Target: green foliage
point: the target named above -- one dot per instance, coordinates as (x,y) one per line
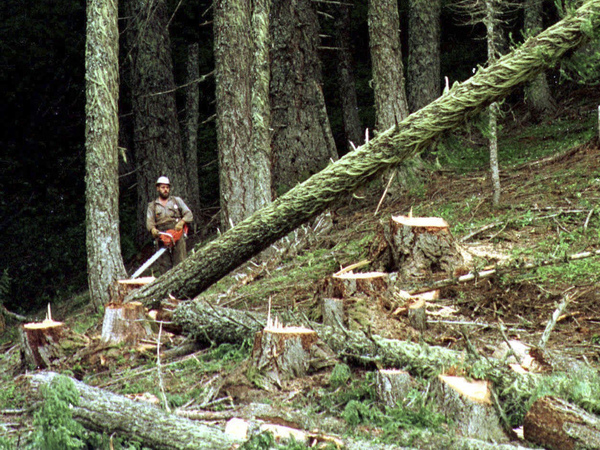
(581,387)
(56,428)
(340,375)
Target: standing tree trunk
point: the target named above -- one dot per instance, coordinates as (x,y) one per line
(423,71)
(347,87)
(103,243)
(192,107)
(302,141)
(242,107)
(386,57)
(537,93)
(494,33)
(220,256)
(157,139)
(261,105)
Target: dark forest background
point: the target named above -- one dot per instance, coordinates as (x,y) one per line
(42,215)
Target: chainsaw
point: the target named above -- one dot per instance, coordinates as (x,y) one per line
(168,238)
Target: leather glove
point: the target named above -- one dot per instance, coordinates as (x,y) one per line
(179,225)
(155,232)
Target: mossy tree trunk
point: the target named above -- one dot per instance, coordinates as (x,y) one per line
(302,141)
(157,138)
(391,106)
(346,81)
(103,244)
(217,258)
(192,112)
(423,70)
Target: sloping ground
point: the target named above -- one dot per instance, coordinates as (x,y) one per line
(549,210)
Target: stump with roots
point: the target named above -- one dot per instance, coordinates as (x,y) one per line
(417,247)
(469,405)
(125,322)
(282,353)
(40,343)
(392,386)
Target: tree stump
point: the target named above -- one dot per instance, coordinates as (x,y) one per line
(121,288)
(468,404)
(282,353)
(349,284)
(125,322)
(417,247)
(40,343)
(392,386)
(556,424)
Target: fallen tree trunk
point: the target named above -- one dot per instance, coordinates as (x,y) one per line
(389,149)
(103,411)
(212,325)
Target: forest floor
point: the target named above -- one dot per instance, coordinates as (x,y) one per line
(549,209)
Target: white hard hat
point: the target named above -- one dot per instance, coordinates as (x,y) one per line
(163,180)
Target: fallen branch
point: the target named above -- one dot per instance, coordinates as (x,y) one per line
(103,411)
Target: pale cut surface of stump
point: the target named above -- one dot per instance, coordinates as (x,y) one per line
(348,284)
(468,404)
(121,288)
(392,386)
(125,322)
(557,424)
(40,343)
(281,354)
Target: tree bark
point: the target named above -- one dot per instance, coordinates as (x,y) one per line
(347,88)
(423,70)
(192,112)
(109,413)
(157,137)
(217,258)
(391,106)
(556,424)
(537,92)
(302,142)
(103,243)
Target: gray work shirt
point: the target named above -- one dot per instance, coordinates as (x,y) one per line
(166,217)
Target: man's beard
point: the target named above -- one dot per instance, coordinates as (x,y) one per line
(163,195)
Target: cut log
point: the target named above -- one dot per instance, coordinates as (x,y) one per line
(125,322)
(40,343)
(417,247)
(392,386)
(121,288)
(387,150)
(282,353)
(108,413)
(557,424)
(417,314)
(468,404)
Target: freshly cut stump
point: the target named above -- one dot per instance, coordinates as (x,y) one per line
(469,405)
(418,247)
(121,288)
(392,386)
(349,284)
(125,322)
(553,423)
(40,343)
(282,353)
